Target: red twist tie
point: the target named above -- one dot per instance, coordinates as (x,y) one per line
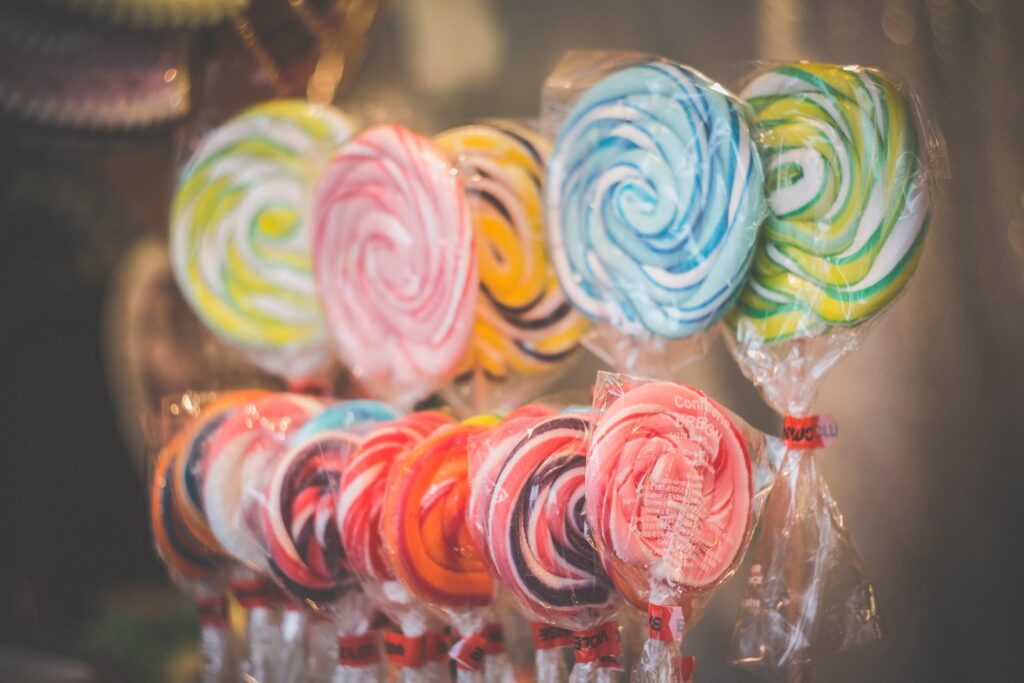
(436,645)
(405,651)
(809,433)
(469,652)
(253,593)
(495,639)
(213,611)
(357,650)
(665,623)
(598,643)
(548,637)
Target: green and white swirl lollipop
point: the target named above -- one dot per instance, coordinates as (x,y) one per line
(848,199)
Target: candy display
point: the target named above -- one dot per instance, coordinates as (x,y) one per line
(532,516)
(654,198)
(850,157)
(360,507)
(669,494)
(395,262)
(428,541)
(525,328)
(240,232)
(300,528)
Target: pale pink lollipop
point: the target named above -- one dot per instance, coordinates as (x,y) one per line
(669,495)
(394,262)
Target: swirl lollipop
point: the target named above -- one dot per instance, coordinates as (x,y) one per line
(360,506)
(187,468)
(536,531)
(524,324)
(848,200)
(427,539)
(395,263)
(304,546)
(240,234)
(191,565)
(654,197)
(669,493)
(234,476)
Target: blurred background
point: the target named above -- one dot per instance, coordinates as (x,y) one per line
(101,103)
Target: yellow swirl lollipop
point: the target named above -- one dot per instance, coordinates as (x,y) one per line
(524,324)
(240,233)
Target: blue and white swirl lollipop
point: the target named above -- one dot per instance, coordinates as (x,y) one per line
(654,197)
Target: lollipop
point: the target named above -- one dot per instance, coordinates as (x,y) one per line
(394,262)
(654,197)
(537,536)
(848,197)
(185,482)
(192,565)
(299,526)
(524,324)
(363,487)
(234,476)
(427,539)
(301,533)
(848,200)
(240,235)
(669,493)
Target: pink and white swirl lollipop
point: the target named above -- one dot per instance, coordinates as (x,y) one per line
(395,262)
(669,492)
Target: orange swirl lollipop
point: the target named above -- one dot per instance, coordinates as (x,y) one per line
(428,541)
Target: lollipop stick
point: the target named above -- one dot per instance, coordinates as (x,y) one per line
(216,645)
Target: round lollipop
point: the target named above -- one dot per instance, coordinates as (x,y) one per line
(537,535)
(427,539)
(187,467)
(301,534)
(234,476)
(525,328)
(395,263)
(654,197)
(241,235)
(669,493)
(192,565)
(848,199)
(363,487)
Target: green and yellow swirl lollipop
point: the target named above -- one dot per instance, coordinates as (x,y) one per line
(240,232)
(848,200)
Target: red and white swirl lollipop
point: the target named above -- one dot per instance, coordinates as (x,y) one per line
(359,519)
(395,262)
(669,493)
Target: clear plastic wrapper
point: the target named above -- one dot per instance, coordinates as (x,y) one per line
(232,464)
(674,483)
(395,263)
(526,511)
(195,558)
(413,649)
(193,568)
(850,159)
(654,197)
(525,332)
(300,534)
(241,234)
(431,549)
